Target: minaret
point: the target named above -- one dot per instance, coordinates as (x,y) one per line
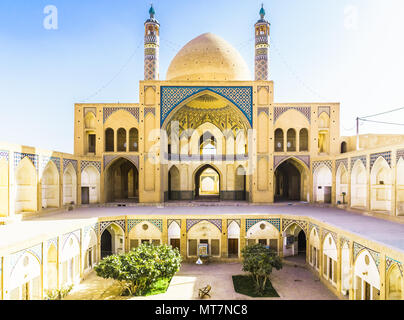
(262,47)
(151,47)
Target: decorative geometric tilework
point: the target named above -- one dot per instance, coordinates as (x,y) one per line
(312,225)
(385,155)
(306,111)
(108,111)
(264,110)
(4,155)
(343,240)
(105,224)
(215,222)
(390,262)
(361,158)
(343,161)
(149,110)
(327,163)
(19,156)
(171,97)
(325,232)
(66,236)
(156,222)
(286,223)
(358,248)
(229,221)
(170,221)
(35,250)
(279,159)
(400,154)
(45,160)
(323,109)
(276,222)
(66,162)
(85,164)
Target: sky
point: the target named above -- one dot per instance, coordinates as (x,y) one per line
(346,51)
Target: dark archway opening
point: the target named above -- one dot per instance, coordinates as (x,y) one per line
(301,243)
(287,182)
(208,190)
(106,244)
(122,182)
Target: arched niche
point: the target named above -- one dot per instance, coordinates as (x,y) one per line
(322,184)
(50,186)
(90,185)
(341,193)
(26,187)
(366,277)
(381,185)
(69,185)
(359,185)
(204,233)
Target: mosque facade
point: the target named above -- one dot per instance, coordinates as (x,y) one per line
(210,132)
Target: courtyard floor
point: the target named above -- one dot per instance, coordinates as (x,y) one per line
(291,283)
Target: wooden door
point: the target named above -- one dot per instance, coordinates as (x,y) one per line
(85,195)
(175,243)
(233,247)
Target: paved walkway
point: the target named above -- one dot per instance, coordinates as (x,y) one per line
(385,232)
(291,283)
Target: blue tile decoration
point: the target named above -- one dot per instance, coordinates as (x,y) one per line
(385,155)
(264,110)
(276,222)
(45,160)
(156,222)
(66,162)
(108,111)
(96,164)
(358,248)
(172,96)
(105,224)
(19,156)
(400,154)
(361,158)
(390,262)
(306,111)
(327,163)
(338,162)
(4,155)
(216,222)
(149,110)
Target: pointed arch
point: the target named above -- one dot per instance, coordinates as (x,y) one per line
(394,283)
(50,186)
(51,273)
(341,184)
(366,277)
(4,187)
(322,184)
(400,187)
(174,183)
(359,185)
(69,185)
(381,185)
(90,185)
(26,187)
(314,248)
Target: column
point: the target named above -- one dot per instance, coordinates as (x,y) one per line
(224,243)
(183,241)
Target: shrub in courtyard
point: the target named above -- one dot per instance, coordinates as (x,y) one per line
(58,294)
(259,261)
(139,269)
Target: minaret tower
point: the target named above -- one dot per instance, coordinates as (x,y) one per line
(262,47)
(151,47)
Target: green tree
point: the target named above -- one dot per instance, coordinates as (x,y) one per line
(138,269)
(259,261)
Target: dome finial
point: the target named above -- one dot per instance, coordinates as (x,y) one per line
(151,11)
(262,11)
